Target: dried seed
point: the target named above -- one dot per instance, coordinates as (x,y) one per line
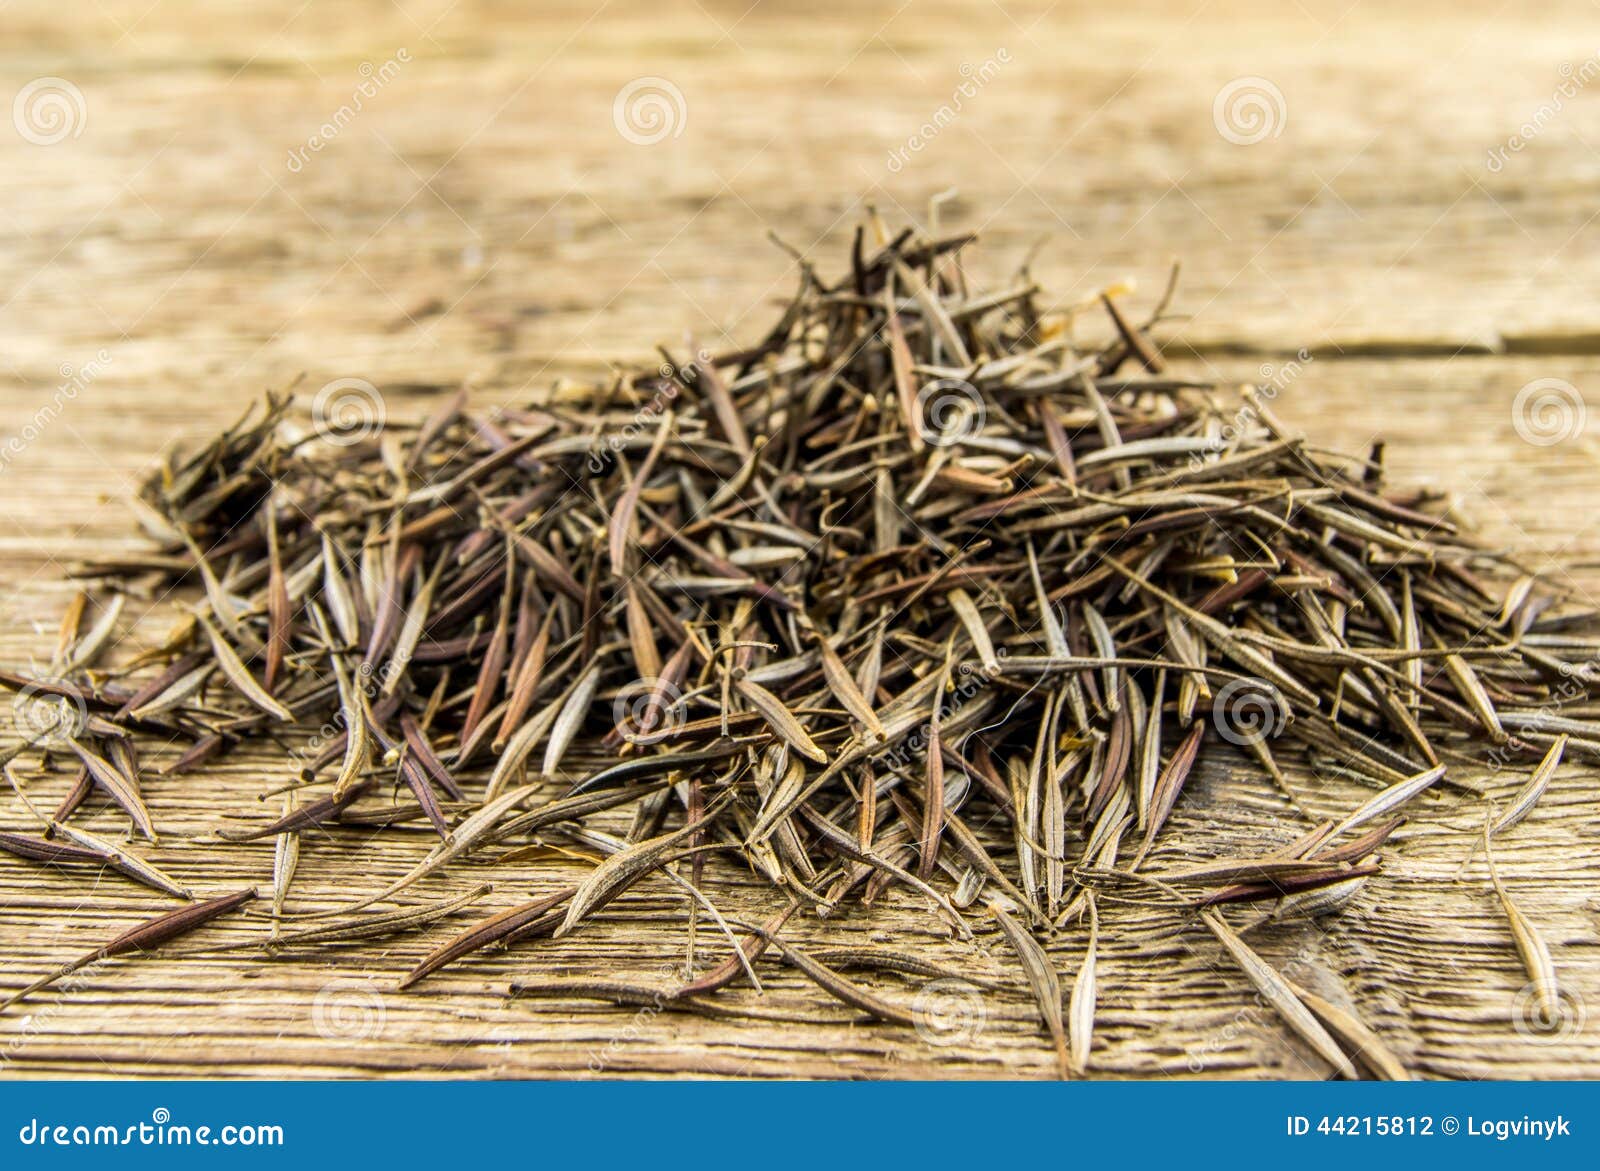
(233,668)
(1392,798)
(149,934)
(1278,993)
(1531,947)
(1085,991)
(1044,981)
(1368,1047)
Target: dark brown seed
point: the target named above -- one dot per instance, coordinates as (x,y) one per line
(147,935)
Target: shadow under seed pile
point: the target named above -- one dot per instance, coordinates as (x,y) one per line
(916,592)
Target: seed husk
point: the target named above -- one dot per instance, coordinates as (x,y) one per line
(1365,1044)
(1531,946)
(145,936)
(1280,994)
(1043,979)
(1085,991)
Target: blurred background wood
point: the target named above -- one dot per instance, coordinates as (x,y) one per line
(481,219)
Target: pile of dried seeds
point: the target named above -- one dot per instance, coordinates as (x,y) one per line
(916,592)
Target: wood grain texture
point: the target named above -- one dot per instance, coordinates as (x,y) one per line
(481,220)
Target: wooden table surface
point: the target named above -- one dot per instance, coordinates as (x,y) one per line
(202,222)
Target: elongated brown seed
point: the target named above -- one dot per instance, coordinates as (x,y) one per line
(145,936)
